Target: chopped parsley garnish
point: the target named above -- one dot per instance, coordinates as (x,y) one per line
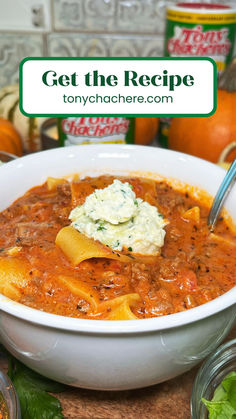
(101,228)
(130,249)
(117,244)
(135,202)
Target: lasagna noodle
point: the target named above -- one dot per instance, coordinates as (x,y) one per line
(53,182)
(14,274)
(78,247)
(81,290)
(221,239)
(120,308)
(192,214)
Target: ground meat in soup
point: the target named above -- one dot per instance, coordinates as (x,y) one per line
(193,268)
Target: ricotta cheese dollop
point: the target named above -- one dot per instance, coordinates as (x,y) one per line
(120,220)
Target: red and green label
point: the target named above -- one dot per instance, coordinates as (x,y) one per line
(201,32)
(95,130)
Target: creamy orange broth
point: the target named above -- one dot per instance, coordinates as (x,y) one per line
(194,267)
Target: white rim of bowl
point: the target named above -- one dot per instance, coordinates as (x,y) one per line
(120,326)
(111,326)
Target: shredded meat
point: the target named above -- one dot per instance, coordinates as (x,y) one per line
(190,270)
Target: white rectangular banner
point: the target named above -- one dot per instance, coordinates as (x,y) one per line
(117,86)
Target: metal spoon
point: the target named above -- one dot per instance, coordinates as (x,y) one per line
(221,195)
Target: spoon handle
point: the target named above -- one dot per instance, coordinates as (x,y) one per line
(221,195)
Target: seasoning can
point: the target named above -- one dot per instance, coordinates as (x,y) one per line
(199,30)
(95,130)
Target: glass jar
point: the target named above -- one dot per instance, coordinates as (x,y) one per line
(49,134)
(10,397)
(210,375)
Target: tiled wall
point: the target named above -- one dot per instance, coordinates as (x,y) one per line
(80,28)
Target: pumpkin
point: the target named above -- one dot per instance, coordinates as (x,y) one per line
(10,140)
(145,129)
(206,137)
(28,127)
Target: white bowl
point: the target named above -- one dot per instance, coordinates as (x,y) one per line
(113,355)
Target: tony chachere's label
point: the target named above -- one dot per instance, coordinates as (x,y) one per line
(93,130)
(201,31)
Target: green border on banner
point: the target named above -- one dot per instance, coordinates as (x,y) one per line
(116,59)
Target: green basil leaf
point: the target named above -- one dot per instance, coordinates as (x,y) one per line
(35,403)
(41,382)
(228,380)
(229,385)
(220,410)
(220,394)
(32,390)
(38,380)
(232,394)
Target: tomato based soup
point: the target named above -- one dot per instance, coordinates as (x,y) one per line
(193,267)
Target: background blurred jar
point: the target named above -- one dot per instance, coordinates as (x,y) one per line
(210,375)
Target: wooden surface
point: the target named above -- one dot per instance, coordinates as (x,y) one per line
(169,400)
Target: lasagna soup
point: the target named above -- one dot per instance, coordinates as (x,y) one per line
(113,249)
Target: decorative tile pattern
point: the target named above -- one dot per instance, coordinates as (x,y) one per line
(114,16)
(13,48)
(82,28)
(87,45)
(137,16)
